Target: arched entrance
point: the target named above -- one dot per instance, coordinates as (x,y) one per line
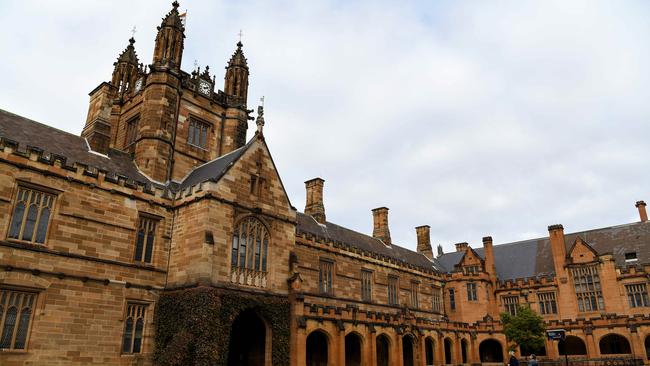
(614,344)
(490,350)
(647,347)
(317,349)
(429,351)
(352,350)
(247,340)
(407,350)
(383,350)
(448,350)
(572,346)
(463,351)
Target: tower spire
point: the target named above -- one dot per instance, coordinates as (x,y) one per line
(236,81)
(126,69)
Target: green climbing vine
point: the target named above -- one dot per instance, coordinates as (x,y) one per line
(193,326)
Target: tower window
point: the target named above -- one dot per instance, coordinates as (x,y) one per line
(452,299)
(16,309)
(471,292)
(31,215)
(133,328)
(198,134)
(132,130)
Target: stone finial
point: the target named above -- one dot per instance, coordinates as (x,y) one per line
(440,251)
(260,119)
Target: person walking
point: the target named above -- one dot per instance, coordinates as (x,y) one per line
(533,360)
(513,360)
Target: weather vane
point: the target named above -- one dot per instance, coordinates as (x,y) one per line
(240,34)
(133,32)
(262,100)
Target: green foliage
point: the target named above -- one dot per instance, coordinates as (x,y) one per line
(526,329)
(193,326)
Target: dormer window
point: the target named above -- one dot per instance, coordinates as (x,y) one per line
(470,270)
(630,257)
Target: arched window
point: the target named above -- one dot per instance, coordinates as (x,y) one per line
(614,344)
(250,246)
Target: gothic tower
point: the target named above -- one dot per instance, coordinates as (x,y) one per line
(161,97)
(236,90)
(126,70)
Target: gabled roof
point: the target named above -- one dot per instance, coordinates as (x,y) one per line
(333,232)
(74,148)
(533,258)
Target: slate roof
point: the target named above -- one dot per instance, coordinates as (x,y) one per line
(74,148)
(335,232)
(532,258)
(213,169)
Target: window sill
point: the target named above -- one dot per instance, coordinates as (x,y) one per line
(197,147)
(13,351)
(25,242)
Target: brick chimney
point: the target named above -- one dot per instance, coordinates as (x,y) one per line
(314,204)
(424,240)
(643,215)
(488,251)
(380,224)
(558,249)
(460,247)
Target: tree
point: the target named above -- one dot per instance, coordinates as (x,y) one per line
(526,328)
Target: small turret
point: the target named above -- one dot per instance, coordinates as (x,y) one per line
(169,41)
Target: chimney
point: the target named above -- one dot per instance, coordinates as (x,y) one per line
(488,251)
(558,249)
(424,240)
(314,204)
(460,247)
(643,215)
(440,251)
(380,224)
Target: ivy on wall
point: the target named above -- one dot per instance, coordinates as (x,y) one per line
(193,326)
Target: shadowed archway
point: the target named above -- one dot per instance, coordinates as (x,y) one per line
(247,340)
(614,344)
(572,346)
(647,347)
(429,351)
(448,350)
(463,351)
(383,350)
(408,353)
(490,350)
(353,350)
(317,349)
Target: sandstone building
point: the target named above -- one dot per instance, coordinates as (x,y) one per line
(162,235)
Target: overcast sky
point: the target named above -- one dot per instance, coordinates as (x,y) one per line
(474,117)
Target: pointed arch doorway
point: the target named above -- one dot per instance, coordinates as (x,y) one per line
(248,340)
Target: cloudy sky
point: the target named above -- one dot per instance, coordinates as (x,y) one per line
(474,117)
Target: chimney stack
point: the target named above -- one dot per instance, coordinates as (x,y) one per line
(424,241)
(380,225)
(460,247)
(558,249)
(643,215)
(314,204)
(488,251)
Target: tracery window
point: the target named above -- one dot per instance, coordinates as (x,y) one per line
(637,295)
(511,303)
(16,309)
(145,239)
(587,286)
(31,215)
(366,285)
(393,294)
(325,276)
(250,248)
(133,328)
(436,300)
(547,303)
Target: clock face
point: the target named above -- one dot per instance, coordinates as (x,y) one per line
(138,85)
(204,87)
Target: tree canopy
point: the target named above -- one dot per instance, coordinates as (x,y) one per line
(526,329)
